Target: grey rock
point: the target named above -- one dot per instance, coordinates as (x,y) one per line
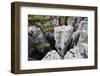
(52,55)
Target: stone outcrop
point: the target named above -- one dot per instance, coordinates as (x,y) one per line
(67,42)
(52,55)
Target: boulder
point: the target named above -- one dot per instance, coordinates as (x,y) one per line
(52,55)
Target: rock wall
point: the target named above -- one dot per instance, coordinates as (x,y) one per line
(79,42)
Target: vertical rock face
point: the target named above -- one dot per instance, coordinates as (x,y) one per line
(80,42)
(71,42)
(62,36)
(55,21)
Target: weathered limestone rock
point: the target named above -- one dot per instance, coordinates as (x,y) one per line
(52,55)
(62,36)
(78,52)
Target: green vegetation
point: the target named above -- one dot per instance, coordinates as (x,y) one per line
(43,46)
(44,22)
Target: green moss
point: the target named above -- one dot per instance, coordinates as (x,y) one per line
(44,45)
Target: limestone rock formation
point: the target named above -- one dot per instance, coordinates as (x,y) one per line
(63,42)
(52,55)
